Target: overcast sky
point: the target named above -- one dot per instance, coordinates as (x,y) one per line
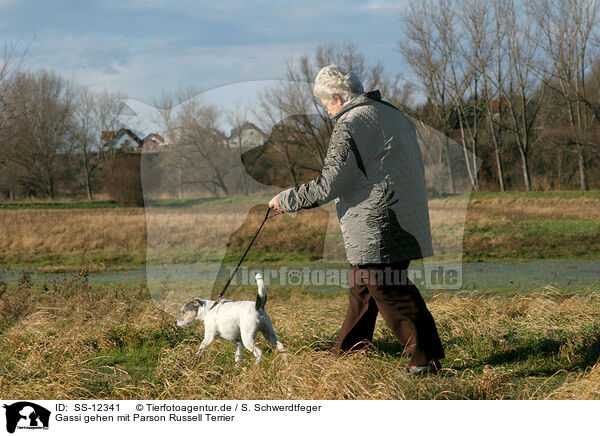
(141,47)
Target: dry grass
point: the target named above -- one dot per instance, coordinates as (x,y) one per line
(585,387)
(510,210)
(199,232)
(30,235)
(66,341)
(191,234)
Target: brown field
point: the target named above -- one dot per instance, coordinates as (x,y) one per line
(507,210)
(76,231)
(197,233)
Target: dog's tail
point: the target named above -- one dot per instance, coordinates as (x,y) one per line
(261,298)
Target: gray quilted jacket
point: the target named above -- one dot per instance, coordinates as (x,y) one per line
(374,172)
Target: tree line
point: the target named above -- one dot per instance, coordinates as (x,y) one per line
(50,133)
(518,84)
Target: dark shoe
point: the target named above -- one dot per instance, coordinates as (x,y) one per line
(430,368)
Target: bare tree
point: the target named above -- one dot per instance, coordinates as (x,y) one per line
(524,92)
(174,164)
(94,112)
(195,155)
(42,125)
(9,69)
(84,134)
(293,99)
(200,147)
(107,108)
(493,82)
(447,44)
(425,49)
(477,55)
(567,27)
(237,119)
(467,59)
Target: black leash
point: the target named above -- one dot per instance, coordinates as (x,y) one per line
(267,217)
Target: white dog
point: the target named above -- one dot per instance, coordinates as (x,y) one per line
(237,321)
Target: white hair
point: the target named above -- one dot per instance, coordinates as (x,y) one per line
(333,79)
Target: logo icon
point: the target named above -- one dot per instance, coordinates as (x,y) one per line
(26,415)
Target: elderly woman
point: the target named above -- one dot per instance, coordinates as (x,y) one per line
(374,173)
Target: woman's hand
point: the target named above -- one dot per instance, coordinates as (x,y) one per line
(274,204)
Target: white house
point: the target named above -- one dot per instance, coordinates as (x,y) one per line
(153,142)
(249,135)
(122,139)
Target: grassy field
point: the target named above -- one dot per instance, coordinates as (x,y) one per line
(517,226)
(68,341)
(499,227)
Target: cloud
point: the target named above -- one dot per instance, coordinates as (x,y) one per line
(143,46)
(383,7)
(6,3)
(107,57)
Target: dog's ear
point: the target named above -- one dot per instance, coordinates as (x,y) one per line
(198,302)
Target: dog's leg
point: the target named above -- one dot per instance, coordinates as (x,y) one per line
(202,347)
(269,333)
(239,348)
(209,336)
(281,349)
(248,340)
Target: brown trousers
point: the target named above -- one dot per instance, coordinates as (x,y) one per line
(387,289)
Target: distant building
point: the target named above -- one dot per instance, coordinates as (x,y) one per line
(122,139)
(497,103)
(249,135)
(501,103)
(127,140)
(153,142)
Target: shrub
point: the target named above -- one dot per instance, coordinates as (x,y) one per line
(122,179)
